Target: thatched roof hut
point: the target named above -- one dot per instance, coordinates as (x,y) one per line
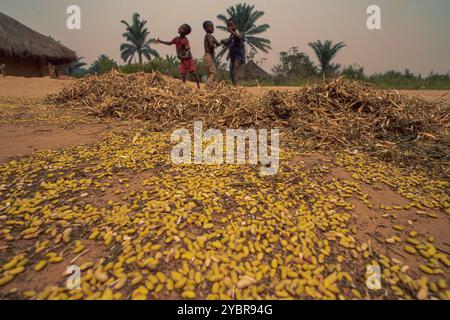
(26,52)
(251,71)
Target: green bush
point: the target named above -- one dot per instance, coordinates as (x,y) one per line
(168,66)
(407,80)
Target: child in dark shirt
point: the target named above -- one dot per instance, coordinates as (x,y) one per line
(236,50)
(187,63)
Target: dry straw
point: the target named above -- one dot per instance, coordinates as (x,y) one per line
(338,113)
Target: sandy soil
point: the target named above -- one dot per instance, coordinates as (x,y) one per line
(31,87)
(24,139)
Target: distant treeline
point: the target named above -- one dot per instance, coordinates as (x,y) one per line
(295,69)
(400,80)
(387,80)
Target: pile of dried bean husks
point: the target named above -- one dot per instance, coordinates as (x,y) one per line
(166,102)
(336,113)
(395,127)
(349,113)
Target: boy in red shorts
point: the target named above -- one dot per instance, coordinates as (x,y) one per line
(187,63)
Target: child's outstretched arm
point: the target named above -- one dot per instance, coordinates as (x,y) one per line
(167,43)
(225,42)
(215,42)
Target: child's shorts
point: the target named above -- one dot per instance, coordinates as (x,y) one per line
(187,66)
(209,60)
(239,56)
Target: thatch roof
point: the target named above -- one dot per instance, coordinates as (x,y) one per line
(251,71)
(17,40)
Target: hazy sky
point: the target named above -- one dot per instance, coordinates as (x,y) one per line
(414,35)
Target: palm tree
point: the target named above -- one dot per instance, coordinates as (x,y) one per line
(246,16)
(137,42)
(76,68)
(326,52)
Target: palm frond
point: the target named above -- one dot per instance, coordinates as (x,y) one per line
(147,51)
(136,35)
(326,52)
(246,17)
(222,53)
(258,29)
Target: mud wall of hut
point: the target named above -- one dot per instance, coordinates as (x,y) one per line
(24,67)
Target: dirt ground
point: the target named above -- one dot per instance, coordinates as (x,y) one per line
(21,140)
(31,87)
(27,126)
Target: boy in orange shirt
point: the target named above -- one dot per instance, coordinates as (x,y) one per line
(187,63)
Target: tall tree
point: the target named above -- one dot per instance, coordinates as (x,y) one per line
(325,53)
(295,64)
(246,18)
(102,65)
(137,42)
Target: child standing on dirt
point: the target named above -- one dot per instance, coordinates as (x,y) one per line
(210,45)
(236,50)
(187,63)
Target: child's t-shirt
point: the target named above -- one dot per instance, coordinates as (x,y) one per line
(236,47)
(183,47)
